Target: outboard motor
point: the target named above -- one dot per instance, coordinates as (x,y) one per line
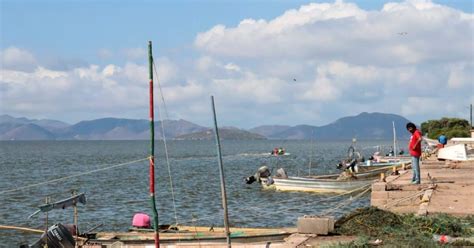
(250,179)
(57,236)
(262,172)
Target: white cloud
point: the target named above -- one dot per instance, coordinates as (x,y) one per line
(461,75)
(342,31)
(232,67)
(17,59)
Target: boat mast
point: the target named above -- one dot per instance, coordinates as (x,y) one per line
(311,153)
(152,150)
(221,170)
(394,140)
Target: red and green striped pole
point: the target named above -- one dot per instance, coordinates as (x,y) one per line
(152,150)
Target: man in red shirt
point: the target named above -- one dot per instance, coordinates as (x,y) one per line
(414,146)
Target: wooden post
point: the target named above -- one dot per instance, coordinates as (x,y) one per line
(47,201)
(152,148)
(73,192)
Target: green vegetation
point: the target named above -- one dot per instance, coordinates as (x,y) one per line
(450,127)
(395,230)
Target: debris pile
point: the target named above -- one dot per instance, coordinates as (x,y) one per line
(402,230)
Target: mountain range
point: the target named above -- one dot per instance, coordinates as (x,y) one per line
(371,126)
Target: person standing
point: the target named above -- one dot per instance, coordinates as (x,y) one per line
(414,146)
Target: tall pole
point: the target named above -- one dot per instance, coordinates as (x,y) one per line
(394,140)
(471,117)
(311,153)
(221,171)
(152,150)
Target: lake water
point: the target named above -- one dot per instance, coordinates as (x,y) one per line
(114,195)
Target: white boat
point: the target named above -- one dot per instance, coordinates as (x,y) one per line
(317,184)
(457,152)
(386,161)
(307,184)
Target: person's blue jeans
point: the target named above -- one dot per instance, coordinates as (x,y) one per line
(415,165)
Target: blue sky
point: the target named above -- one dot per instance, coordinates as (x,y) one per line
(92,51)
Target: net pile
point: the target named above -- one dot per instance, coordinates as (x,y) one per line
(401,230)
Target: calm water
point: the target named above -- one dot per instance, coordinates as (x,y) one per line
(115,195)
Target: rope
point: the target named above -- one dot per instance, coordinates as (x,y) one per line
(329,198)
(72,176)
(164,142)
(265,213)
(406,198)
(346,202)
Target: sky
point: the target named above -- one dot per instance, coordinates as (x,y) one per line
(265,62)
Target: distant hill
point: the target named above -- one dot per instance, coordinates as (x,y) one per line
(44,123)
(269,130)
(224,134)
(12,128)
(126,129)
(368,126)
(105,129)
(26,132)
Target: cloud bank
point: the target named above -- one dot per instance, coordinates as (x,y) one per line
(309,65)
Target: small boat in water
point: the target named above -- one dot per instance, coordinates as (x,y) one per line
(306,184)
(278,151)
(317,184)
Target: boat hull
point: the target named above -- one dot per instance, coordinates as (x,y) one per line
(304,184)
(196,236)
(388,163)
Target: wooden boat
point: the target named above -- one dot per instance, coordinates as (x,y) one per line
(194,236)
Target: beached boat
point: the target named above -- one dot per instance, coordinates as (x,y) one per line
(195,236)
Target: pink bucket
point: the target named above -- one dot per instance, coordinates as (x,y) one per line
(141,220)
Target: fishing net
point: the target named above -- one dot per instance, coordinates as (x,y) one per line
(401,230)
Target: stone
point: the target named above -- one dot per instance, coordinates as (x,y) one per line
(315,224)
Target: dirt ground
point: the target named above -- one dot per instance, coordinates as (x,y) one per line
(454,192)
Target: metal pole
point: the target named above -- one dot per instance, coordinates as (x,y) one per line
(221,171)
(394,140)
(311,153)
(471,117)
(152,150)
